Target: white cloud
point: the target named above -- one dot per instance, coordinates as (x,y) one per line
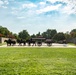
(68,10)
(42,3)
(30,5)
(6,2)
(15,12)
(20,17)
(53,1)
(48,8)
(4,7)
(70,7)
(1,2)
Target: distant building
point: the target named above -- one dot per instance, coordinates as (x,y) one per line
(39,38)
(2,39)
(72,40)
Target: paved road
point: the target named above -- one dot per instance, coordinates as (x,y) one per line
(54,45)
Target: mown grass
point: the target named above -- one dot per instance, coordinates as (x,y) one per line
(2,44)
(37,61)
(72,44)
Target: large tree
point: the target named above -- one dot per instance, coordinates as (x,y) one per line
(23,35)
(38,34)
(73,33)
(49,33)
(67,35)
(4,31)
(33,36)
(59,36)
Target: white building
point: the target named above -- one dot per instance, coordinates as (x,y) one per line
(2,39)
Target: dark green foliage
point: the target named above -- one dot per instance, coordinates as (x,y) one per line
(4,31)
(38,34)
(15,35)
(74,30)
(73,33)
(49,33)
(67,35)
(33,36)
(59,37)
(23,34)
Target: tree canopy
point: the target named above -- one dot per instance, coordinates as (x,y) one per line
(59,36)
(73,33)
(23,35)
(49,34)
(4,31)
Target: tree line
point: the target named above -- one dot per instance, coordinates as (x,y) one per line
(48,34)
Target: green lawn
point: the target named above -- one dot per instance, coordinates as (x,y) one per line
(2,44)
(37,61)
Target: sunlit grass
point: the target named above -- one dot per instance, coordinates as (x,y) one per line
(37,61)
(72,44)
(2,44)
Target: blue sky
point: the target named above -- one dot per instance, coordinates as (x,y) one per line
(38,15)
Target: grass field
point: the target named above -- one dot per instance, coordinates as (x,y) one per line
(37,61)
(2,44)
